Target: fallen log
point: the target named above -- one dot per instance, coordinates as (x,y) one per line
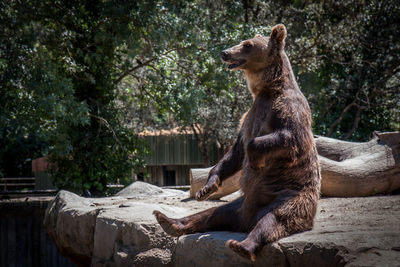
(198,178)
(349,169)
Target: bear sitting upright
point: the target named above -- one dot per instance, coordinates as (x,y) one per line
(274,149)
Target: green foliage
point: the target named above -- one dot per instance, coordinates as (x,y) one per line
(187,84)
(345,54)
(358,73)
(58,84)
(82,79)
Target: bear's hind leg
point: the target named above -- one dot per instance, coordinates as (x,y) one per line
(267,230)
(298,211)
(225,217)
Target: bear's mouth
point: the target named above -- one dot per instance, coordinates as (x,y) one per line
(235,63)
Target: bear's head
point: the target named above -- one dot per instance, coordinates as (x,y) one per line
(257,53)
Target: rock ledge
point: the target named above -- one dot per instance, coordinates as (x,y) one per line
(121,231)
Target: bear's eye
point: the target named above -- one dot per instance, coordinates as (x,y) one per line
(247,45)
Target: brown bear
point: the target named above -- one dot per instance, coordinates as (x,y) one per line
(274,149)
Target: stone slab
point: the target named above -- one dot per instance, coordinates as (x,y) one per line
(121,231)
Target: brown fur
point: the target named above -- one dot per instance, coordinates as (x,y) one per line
(275,149)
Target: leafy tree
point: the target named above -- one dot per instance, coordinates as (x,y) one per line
(187,84)
(345,55)
(58,73)
(83,78)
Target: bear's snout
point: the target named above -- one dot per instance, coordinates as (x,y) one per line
(225,55)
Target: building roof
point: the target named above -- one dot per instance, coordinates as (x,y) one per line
(168,132)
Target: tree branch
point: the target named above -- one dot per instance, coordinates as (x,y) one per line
(142,64)
(138,66)
(105,122)
(355,123)
(338,120)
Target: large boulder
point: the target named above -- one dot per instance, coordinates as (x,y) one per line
(143,190)
(70,221)
(121,231)
(114,231)
(124,232)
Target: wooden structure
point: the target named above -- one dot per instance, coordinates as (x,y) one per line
(42,176)
(348,169)
(171,158)
(172,155)
(17,183)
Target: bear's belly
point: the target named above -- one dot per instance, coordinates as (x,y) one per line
(255,182)
(278,175)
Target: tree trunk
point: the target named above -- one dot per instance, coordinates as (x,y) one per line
(348,169)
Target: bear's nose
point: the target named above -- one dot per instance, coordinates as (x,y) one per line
(224,55)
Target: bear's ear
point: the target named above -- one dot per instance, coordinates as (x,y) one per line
(278,35)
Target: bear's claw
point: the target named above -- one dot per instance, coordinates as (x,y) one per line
(211,187)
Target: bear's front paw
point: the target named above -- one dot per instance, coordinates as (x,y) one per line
(211,186)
